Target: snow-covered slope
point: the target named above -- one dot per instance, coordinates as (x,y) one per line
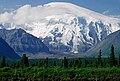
(63,27)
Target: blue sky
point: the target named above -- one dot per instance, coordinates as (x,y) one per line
(109,7)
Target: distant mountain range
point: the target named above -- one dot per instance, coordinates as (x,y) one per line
(15,41)
(105,45)
(7,51)
(23,42)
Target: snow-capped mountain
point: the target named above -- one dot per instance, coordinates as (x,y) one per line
(63,27)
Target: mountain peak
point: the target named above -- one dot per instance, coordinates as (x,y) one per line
(58,4)
(69,8)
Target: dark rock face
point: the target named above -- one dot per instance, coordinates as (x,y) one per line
(23,42)
(7,51)
(105,45)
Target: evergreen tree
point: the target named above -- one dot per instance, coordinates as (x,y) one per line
(79,63)
(46,62)
(112,57)
(99,59)
(3,63)
(25,61)
(65,63)
(119,60)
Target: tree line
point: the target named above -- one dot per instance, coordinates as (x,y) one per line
(68,63)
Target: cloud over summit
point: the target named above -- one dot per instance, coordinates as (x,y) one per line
(27,14)
(24,15)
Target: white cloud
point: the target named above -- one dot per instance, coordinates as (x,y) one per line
(6,17)
(23,15)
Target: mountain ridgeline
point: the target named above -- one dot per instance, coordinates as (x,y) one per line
(105,45)
(23,42)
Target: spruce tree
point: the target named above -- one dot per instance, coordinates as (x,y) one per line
(99,58)
(79,62)
(65,63)
(46,62)
(112,57)
(25,61)
(3,63)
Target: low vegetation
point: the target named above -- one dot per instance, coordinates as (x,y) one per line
(74,69)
